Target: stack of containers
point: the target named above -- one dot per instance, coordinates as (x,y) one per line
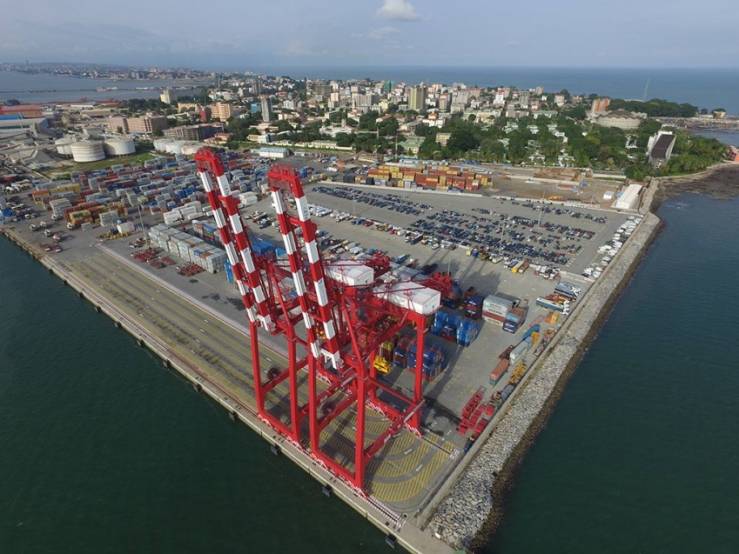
(58,207)
(434,360)
(108,219)
(173,244)
(248,199)
(262,247)
(197,227)
(213,258)
(514,319)
(173,216)
(496,308)
(446,325)
(519,352)
(188,249)
(467,331)
(229,271)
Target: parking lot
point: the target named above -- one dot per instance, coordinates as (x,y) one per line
(449,228)
(356,222)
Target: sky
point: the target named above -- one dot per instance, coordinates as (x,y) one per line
(242,34)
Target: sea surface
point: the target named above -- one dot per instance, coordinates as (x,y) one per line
(727,137)
(641,453)
(705,88)
(103,451)
(43,87)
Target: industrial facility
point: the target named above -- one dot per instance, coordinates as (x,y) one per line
(387,327)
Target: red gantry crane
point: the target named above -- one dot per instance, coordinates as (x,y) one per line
(334,317)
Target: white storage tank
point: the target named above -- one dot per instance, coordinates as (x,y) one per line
(190,148)
(160,145)
(88,151)
(64,145)
(119,146)
(174,147)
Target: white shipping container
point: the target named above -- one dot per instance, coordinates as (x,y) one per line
(350,274)
(519,352)
(421,300)
(125,227)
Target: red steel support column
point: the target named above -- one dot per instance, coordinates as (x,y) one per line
(415,421)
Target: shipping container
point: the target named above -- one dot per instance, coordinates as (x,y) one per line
(499,371)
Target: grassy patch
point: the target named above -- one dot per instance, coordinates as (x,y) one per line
(108,162)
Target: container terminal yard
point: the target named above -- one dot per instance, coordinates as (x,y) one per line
(381,338)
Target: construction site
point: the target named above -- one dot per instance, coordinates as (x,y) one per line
(376,337)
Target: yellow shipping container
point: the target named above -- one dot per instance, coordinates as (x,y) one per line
(518,374)
(69,187)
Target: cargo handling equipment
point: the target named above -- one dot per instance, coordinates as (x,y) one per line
(334,317)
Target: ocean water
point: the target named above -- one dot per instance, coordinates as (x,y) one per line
(102,450)
(44,87)
(641,453)
(727,137)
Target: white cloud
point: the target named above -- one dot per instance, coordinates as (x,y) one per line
(399,10)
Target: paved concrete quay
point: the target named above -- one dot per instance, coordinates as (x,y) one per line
(462,514)
(171,328)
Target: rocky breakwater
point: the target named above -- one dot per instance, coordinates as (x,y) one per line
(470,513)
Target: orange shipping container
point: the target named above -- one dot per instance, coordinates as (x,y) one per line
(499,371)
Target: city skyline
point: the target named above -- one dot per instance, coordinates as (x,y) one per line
(372,33)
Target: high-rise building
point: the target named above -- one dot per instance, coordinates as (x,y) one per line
(417,99)
(145,124)
(118,124)
(194,132)
(267,115)
(363,100)
(320,88)
(166,96)
(223,111)
(600,105)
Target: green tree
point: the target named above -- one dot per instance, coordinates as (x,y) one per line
(344,139)
(388,127)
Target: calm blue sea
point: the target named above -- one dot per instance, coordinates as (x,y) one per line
(28,87)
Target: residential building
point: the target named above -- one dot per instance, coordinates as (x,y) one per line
(267,115)
(223,111)
(142,125)
(147,124)
(118,124)
(166,96)
(193,132)
(442,138)
(628,121)
(659,148)
(188,106)
(417,99)
(600,105)
(273,152)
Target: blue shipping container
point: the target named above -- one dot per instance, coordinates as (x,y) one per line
(229,271)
